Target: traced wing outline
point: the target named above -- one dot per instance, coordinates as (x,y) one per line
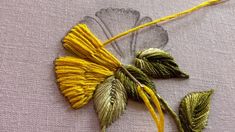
(150,37)
(112,21)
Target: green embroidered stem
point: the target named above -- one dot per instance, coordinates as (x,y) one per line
(143,91)
(171,112)
(132,77)
(129,84)
(162,101)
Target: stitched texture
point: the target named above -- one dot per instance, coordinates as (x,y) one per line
(30,34)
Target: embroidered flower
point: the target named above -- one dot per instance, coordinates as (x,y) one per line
(94,71)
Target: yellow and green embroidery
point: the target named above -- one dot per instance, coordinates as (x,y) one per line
(96,73)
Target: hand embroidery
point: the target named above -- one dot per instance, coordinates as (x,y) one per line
(96,73)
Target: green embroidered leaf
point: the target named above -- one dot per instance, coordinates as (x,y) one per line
(158,64)
(194,111)
(129,84)
(110,101)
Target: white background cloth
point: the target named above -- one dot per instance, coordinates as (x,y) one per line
(30,40)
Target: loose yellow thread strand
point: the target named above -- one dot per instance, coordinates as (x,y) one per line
(150,108)
(157,104)
(140,88)
(167,18)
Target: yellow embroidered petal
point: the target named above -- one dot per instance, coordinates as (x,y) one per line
(78,78)
(84,44)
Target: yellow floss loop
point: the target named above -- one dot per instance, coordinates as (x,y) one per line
(157,104)
(167,18)
(159,123)
(143,90)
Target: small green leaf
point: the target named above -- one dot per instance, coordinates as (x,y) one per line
(110,101)
(194,110)
(129,84)
(158,64)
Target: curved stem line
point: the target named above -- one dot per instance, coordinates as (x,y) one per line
(171,112)
(142,90)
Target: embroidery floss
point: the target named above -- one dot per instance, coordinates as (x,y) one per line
(96,72)
(167,18)
(78,79)
(158,64)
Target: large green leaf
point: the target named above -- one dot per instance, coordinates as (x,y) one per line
(158,64)
(194,111)
(129,84)
(110,101)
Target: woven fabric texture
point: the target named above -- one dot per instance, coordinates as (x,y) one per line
(30,40)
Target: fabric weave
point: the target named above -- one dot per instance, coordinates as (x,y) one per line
(30,34)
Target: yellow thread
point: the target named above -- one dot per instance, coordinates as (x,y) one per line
(150,108)
(159,122)
(157,104)
(164,19)
(82,42)
(78,79)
